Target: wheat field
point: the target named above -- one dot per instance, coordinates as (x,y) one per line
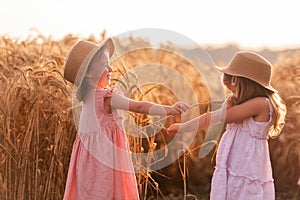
(37,128)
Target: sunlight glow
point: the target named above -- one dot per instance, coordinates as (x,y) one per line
(253,23)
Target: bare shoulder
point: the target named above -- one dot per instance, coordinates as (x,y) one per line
(260,102)
(257,108)
(260,107)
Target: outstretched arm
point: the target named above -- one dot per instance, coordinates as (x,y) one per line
(198,123)
(256,107)
(119,101)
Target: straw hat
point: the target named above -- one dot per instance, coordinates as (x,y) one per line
(252,66)
(79,59)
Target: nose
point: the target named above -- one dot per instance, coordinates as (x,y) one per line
(109,69)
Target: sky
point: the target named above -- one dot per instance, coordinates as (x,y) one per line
(250,24)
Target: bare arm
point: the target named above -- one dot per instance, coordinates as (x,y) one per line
(119,101)
(256,107)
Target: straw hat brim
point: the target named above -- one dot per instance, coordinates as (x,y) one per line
(228,71)
(85,64)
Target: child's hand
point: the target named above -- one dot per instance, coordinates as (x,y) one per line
(173,129)
(177,108)
(230,101)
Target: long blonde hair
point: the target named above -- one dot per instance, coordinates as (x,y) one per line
(248,89)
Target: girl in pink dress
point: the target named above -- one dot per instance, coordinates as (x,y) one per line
(100,165)
(253,113)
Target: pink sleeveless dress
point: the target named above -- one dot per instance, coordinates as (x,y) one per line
(243,167)
(100,165)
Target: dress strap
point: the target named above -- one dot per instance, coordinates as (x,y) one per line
(270,106)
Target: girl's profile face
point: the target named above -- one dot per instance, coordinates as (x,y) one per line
(228,80)
(105,78)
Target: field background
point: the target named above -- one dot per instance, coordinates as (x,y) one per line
(37,129)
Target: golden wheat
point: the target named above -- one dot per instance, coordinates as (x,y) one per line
(37,129)
(285,151)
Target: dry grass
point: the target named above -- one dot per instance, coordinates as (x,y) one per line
(37,129)
(285,150)
(148,183)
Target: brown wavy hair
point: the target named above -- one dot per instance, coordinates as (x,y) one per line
(248,89)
